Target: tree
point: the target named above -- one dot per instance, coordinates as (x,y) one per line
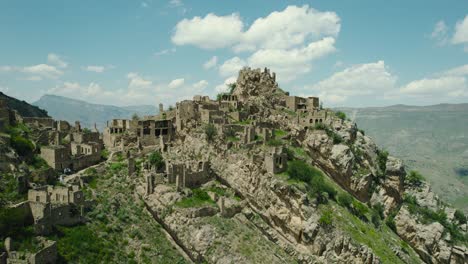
(210,132)
(341,115)
(156,159)
(135,117)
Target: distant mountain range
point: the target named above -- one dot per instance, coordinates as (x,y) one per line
(23,107)
(71,110)
(430,139)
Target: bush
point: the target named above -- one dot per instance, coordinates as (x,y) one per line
(359,210)
(22,145)
(274,142)
(382,157)
(460,217)
(319,186)
(326,219)
(156,159)
(320,126)
(341,115)
(199,198)
(379,209)
(390,221)
(210,132)
(414,178)
(299,170)
(345,200)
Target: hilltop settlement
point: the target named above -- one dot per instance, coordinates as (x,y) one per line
(256,175)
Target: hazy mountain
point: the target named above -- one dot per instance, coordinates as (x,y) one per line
(63,108)
(22,107)
(430,139)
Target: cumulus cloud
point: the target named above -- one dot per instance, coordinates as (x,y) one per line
(211,63)
(201,84)
(209,32)
(288,28)
(291,63)
(42,70)
(439,34)
(231,66)
(56,60)
(447,85)
(368,79)
(137,81)
(176,83)
(222,88)
(286,41)
(461,33)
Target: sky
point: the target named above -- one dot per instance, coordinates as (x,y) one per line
(122,52)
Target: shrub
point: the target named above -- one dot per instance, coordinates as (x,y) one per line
(359,210)
(414,178)
(341,115)
(104,154)
(345,200)
(320,126)
(22,145)
(274,142)
(319,186)
(299,170)
(199,197)
(379,209)
(156,159)
(326,219)
(382,157)
(390,221)
(460,217)
(210,132)
(375,218)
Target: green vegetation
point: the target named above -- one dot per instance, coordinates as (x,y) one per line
(210,132)
(135,117)
(274,142)
(279,133)
(9,189)
(414,178)
(38,163)
(104,154)
(326,219)
(337,139)
(156,159)
(21,145)
(460,217)
(354,206)
(340,115)
(233,139)
(117,166)
(426,216)
(300,171)
(86,130)
(199,198)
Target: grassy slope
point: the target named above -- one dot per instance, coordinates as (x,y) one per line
(120,230)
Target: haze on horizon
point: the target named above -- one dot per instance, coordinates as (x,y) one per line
(133,53)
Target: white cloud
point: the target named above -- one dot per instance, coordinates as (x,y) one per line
(144,4)
(176,83)
(56,60)
(453,86)
(288,28)
(439,34)
(358,80)
(457,71)
(291,63)
(164,52)
(33,78)
(461,33)
(201,84)
(95,68)
(231,66)
(211,63)
(43,70)
(222,88)
(137,82)
(210,32)
(175,3)
(286,41)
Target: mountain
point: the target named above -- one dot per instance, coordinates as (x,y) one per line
(430,139)
(71,110)
(22,107)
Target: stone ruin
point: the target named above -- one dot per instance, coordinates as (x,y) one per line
(72,149)
(46,254)
(276,161)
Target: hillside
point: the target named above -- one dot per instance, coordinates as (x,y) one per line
(23,108)
(71,110)
(430,139)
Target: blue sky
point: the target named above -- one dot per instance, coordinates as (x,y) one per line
(350,53)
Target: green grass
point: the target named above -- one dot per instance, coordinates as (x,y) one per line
(380,240)
(279,133)
(233,139)
(199,198)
